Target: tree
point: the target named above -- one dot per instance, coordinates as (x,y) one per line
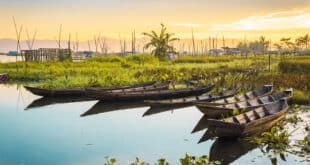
(243,47)
(279,47)
(287,43)
(160,42)
(263,44)
(303,41)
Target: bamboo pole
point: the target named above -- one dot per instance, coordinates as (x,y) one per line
(133,42)
(59,36)
(18,36)
(76,42)
(193,41)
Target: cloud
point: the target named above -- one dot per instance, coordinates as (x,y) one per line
(272,21)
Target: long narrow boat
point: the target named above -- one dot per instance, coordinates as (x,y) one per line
(3,77)
(246,124)
(80,92)
(59,92)
(260,92)
(152,87)
(227,109)
(191,99)
(144,95)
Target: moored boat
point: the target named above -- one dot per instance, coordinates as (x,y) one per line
(191,99)
(227,109)
(144,95)
(3,77)
(260,92)
(77,92)
(56,92)
(151,87)
(247,124)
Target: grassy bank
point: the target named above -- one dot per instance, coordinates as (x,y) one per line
(225,71)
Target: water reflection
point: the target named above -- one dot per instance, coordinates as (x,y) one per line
(201,125)
(44,101)
(227,151)
(163,108)
(104,107)
(29,136)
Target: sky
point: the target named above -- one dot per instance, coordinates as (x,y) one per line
(118,18)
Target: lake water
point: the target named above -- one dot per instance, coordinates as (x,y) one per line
(57,134)
(5,58)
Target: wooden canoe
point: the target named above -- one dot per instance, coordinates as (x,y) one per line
(153,95)
(151,87)
(247,124)
(191,99)
(3,77)
(227,109)
(260,92)
(76,92)
(59,92)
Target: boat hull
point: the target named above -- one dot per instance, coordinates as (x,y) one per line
(154,95)
(80,92)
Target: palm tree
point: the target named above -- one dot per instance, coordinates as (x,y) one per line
(263,44)
(279,47)
(287,42)
(160,42)
(307,40)
(303,41)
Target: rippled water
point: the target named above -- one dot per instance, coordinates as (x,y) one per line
(57,134)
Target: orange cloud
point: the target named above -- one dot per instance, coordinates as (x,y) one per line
(272,21)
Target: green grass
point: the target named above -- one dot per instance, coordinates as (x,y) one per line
(301,97)
(296,65)
(224,71)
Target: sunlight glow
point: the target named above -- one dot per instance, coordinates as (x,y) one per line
(272,21)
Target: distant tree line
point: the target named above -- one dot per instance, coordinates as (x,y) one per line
(285,45)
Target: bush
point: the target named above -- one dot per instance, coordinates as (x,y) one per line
(299,65)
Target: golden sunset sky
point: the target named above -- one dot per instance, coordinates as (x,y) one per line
(114,18)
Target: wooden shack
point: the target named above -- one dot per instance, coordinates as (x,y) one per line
(47,54)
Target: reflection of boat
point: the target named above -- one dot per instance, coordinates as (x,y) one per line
(61,92)
(260,92)
(215,111)
(202,124)
(45,101)
(246,124)
(226,151)
(160,94)
(191,99)
(162,108)
(104,107)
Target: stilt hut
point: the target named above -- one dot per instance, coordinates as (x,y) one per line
(47,54)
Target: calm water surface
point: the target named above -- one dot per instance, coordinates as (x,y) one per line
(57,134)
(5,58)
